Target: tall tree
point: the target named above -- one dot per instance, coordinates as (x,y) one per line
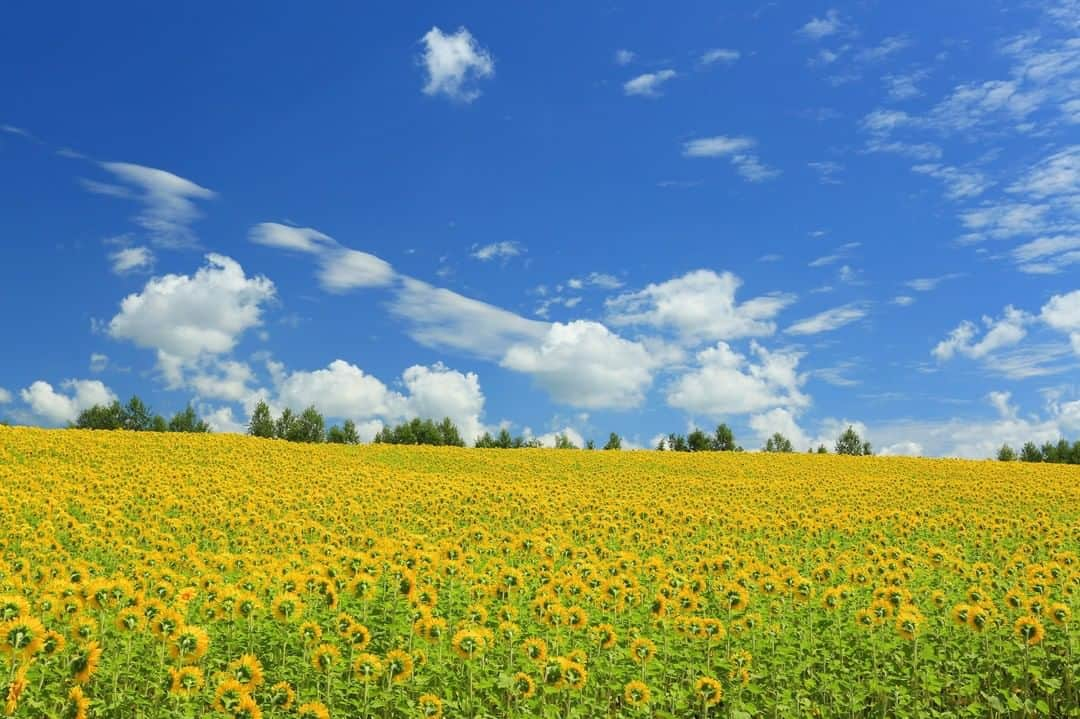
(285,425)
(724,439)
(101,416)
(262,422)
(698,441)
(614,442)
(778,443)
(1006,454)
(849,442)
(137,416)
(187,421)
(1030,453)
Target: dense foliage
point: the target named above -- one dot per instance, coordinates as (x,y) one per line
(1060,452)
(135,416)
(167,576)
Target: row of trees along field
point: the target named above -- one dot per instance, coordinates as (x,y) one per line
(1060,452)
(137,417)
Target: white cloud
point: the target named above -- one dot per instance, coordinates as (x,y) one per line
(906,448)
(1005,331)
(718,146)
(904,87)
(5,396)
(98,362)
(729,383)
(437,391)
(548,439)
(926,284)
(818,28)
(344,269)
(167,199)
(959,185)
(648,84)
(903,300)
(782,420)
(343,390)
(881,51)
(595,279)
(583,364)
(55,407)
(841,252)
(131,259)
(221,420)
(454,63)
(1004,220)
(287,237)
(223,379)
(340,268)
(1058,174)
(736,150)
(186,317)
(827,171)
(439,317)
(699,305)
(1044,247)
(719,54)
(1062,313)
(496,250)
(624,57)
(828,320)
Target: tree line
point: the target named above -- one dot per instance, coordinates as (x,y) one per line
(1060,452)
(135,416)
(310,426)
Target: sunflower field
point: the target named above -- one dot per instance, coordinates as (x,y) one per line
(168,575)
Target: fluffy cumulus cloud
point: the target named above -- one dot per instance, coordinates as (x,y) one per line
(454,62)
(964,339)
(53,407)
(189,317)
(648,84)
(1062,313)
(583,364)
(726,382)
(782,420)
(168,200)
(343,390)
(818,28)
(5,396)
(699,306)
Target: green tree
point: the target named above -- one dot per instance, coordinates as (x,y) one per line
(660,446)
(101,416)
(262,422)
(449,434)
(778,443)
(309,427)
(698,441)
(589,444)
(849,442)
(348,429)
(187,421)
(822,449)
(562,441)
(137,416)
(614,442)
(158,424)
(1030,453)
(724,439)
(285,425)
(1006,454)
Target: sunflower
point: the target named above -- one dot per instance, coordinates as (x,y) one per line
(77,704)
(960,614)
(166,624)
(325,658)
(399,666)
(313,710)
(85,662)
(248,670)
(709,691)
(12,606)
(22,636)
(535,649)
(523,686)
(282,696)
(185,681)
(978,617)
(367,668)
(246,708)
(228,694)
(642,650)
(190,644)
(310,633)
(129,620)
(359,637)
(1059,613)
(15,691)
(430,706)
(604,635)
(575,674)
(1029,630)
(287,607)
(636,693)
(908,623)
(53,643)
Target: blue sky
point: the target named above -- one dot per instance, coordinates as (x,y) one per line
(631,218)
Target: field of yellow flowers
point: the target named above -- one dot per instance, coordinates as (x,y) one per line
(166,576)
